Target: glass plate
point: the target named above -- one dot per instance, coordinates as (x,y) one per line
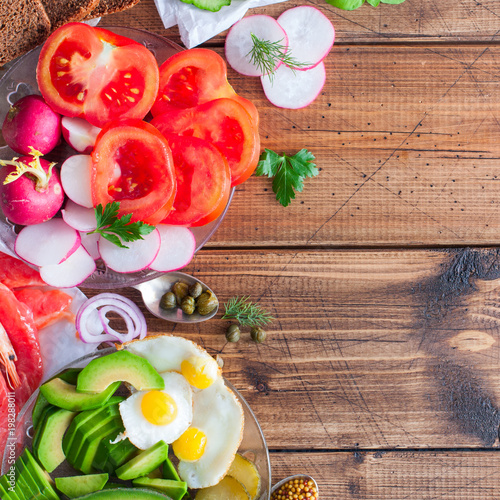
(253,445)
(19,81)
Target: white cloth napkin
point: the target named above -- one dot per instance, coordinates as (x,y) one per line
(196,25)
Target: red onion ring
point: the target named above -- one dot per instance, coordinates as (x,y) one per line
(94,311)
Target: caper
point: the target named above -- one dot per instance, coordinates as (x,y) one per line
(233,333)
(168,301)
(180,290)
(195,290)
(188,305)
(206,303)
(258,334)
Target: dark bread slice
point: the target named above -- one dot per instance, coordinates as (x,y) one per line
(66,11)
(23,25)
(110,7)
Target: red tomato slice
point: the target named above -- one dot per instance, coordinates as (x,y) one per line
(132,164)
(224,123)
(93,73)
(203,181)
(193,77)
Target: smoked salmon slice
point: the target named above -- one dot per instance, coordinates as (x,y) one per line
(48,306)
(14,273)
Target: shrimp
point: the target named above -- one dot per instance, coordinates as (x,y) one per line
(8,358)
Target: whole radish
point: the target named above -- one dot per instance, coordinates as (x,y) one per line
(31,122)
(30,189)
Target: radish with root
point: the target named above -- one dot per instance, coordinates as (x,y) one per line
(310,35)
(79,134)
(49,243)
(31,123)
(245,35)
(30,189)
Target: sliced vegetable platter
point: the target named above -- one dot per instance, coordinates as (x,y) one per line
(21,81)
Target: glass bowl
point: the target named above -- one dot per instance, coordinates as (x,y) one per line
(253,445)
(19,81)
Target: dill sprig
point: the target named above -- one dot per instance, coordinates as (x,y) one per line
(266,55)
(246,312)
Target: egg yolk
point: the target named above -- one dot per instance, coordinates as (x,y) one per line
(158,408)
(191,445)
(198,372)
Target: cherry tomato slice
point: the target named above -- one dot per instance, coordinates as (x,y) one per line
(93,73)
(203,181)
(224,123)
(132,164)
(193,77)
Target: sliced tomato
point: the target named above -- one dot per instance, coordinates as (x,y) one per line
(132,164)
(95,74)
(224,123)
(193,77)
(203,181)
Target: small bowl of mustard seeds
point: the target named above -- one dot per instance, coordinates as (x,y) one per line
(299,487)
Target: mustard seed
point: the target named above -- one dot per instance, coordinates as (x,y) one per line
(296,489)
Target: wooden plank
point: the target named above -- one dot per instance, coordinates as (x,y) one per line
(457,475)
(415,20)
(406,140)
(369,349)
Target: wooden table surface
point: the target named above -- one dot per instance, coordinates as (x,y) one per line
(380,375)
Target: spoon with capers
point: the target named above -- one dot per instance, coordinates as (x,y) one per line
(203,302)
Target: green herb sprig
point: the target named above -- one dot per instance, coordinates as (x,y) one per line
(117,229)
(246,312)
(267,55)
(289,172)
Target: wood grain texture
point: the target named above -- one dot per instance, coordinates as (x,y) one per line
(415,20)
(400,475)
(369,349)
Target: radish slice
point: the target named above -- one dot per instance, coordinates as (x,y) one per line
(310,34)
(72,272)
(79,134)
(75,179)
(78,217)
(177,248)
(239,41)
(136,257)
(48,243)
(294,89)
(89,242)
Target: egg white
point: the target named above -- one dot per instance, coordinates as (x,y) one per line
(143,433)
(219,415)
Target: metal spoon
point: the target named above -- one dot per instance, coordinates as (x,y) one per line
(305,477)
(153,290)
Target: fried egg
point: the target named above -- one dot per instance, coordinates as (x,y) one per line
(207,448)
(169,353)
(152,416)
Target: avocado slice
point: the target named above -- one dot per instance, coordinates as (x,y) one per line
(24,471)
(211,5)
(8,491)
(76,486)
(48,445)
(144,463)
(76,437)
(169,471)
(64,395)
(125,494)
(174,489)
(86,456)
(39,475)
(110,455)
(121,366)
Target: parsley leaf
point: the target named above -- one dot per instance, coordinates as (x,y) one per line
(117,229)
(289,172)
